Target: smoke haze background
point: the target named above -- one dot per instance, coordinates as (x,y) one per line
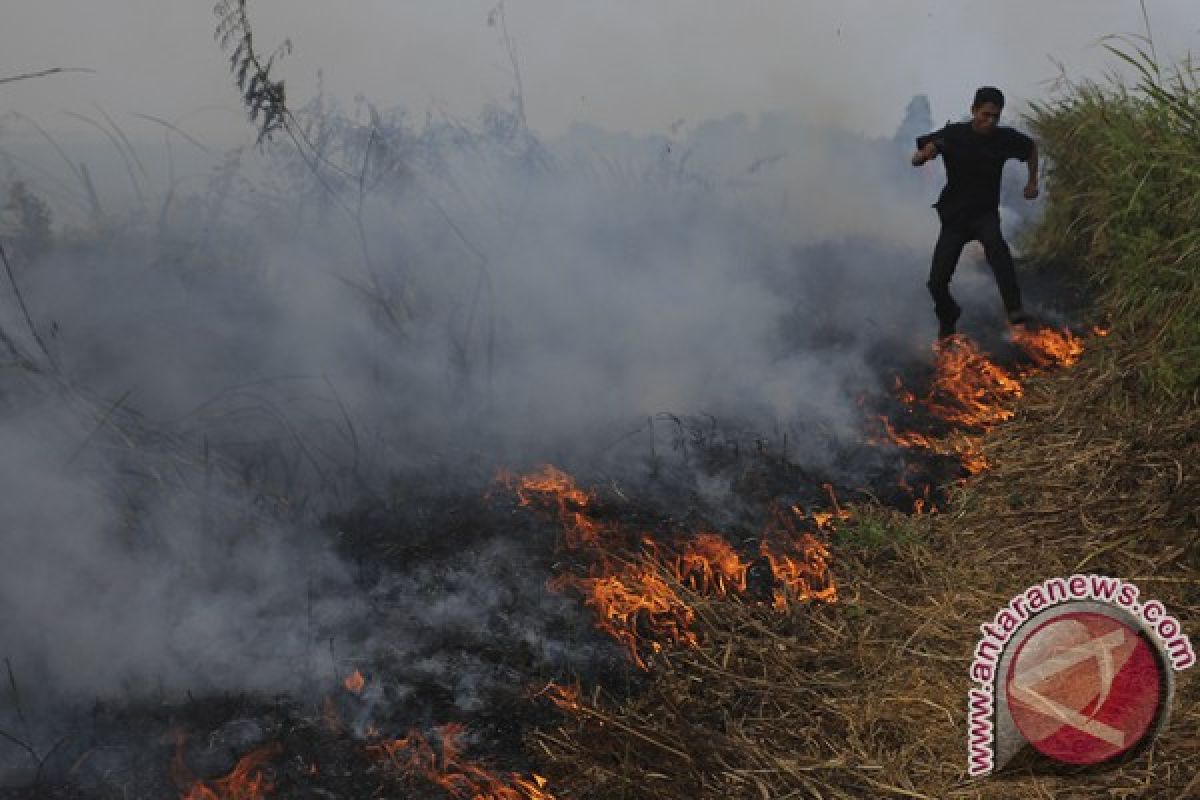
(622,65)
(234,358)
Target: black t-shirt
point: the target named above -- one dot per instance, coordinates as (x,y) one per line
(974,165)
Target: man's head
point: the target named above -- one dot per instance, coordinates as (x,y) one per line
(986,108)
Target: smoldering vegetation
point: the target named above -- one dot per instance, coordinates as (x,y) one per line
(249,417)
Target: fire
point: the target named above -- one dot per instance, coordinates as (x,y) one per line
(707,565)
(416,756)
(554,490)
(566,698)
(245,782)
(640,587)
(439,762)
(972,392)
(794,573)
(824,519)
(968,388)
(643,602)
(959,445)
(355,682)
(1049,348)
(636,606)
(799,562)
(446,768)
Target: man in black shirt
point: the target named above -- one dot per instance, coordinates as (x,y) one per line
(969,206)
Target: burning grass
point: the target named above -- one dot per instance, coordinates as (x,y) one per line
(753,677)
(247,781)
(866,697)
(769,699)
(642,586)
(442,764)
(335,756)
(972,394)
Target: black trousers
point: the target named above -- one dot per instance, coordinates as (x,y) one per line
(955,234)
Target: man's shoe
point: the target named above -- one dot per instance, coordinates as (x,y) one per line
(946,327)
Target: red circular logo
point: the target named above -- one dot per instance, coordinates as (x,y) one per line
(1084,687)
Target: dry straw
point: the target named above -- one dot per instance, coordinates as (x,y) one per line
(867,697)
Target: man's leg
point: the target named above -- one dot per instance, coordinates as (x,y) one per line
(999,257)
(946,252)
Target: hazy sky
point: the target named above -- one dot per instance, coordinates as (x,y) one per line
(622,64)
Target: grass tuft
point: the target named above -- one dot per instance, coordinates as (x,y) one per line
(1124,205)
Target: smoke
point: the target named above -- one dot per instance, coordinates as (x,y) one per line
(225,373)
(514,291)
(116,585)
(625,65)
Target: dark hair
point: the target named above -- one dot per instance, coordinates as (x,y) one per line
(988,94)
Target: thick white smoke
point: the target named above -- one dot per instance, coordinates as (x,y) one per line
(223,372)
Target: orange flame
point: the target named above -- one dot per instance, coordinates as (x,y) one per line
(824,519)
(1048,347)
(566,698)
(355,682)
(707,565)
(639,592)
(551,489)
(637,607)
(802,574)
(416,756)
(958,445)
(922,506)
(968,388)
(245,782)
(800,562)
(971,391)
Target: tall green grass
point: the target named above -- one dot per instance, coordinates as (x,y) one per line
(1124,205)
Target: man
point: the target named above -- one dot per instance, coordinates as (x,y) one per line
(969,206)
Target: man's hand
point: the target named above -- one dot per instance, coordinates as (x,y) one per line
(1031,190)
(926,153)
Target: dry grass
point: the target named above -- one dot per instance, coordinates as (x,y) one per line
(867,698)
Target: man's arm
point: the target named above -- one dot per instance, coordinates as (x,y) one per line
(1031,187)
(926,153)
(928,147)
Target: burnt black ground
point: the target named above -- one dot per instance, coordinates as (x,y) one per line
(437,516)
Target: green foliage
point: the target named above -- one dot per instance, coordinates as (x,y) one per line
(875,531)
(1124,204)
